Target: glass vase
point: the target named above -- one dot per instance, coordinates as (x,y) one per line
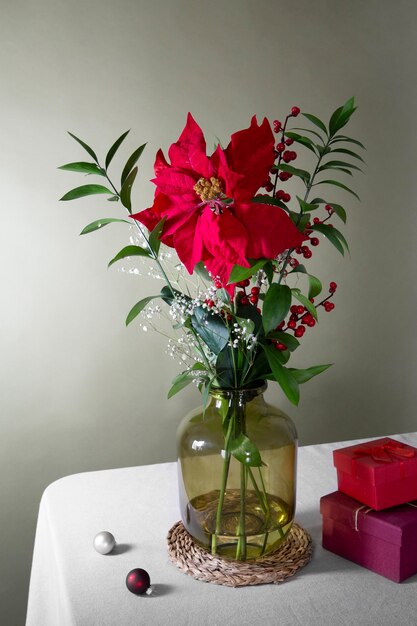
(237,474)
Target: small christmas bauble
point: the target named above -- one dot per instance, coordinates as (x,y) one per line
(104,542)
(138,581)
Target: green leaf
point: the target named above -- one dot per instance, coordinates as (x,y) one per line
(316,121)
(304,141)
(341,164)
(225,368)
(85,190)
(239,273)
(265,199)
(168,296)
(85,146)
(300,221)
(315,286)
(131,162)
(337,184)
(341,116)
(83,168)
(325,167)
(276,306)
(306,206)
(288,340)
(302,376)
(305,302)
(246,324)
(184,379)
(340,138)
(245,451)
(99,224)
(223,295)
(126,190)
(138,307)
(114,148)
(179,386)
(201,271)
(211,329)
(154,241)
(282,375)
(348,152)
(303,174)
(333,235)
(130,251)
(113,199)
(313,132)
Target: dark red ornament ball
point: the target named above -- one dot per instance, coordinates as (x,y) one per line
(138,581)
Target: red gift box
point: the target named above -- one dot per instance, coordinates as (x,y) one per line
(382,541)
(381,473)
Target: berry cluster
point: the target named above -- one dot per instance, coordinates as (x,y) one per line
(299,315)
(282,154)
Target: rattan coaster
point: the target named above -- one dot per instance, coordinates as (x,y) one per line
(193,560)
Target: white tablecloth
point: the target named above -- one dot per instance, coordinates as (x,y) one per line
(71,584)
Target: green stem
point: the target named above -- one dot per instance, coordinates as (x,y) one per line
(241,530)
(225,474)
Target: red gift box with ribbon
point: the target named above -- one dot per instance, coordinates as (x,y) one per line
(382,541)
(380,473)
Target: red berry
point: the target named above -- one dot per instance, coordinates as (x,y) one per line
(269,186)
(254,299)
(244,300)
(294,262)
(280,325)
(280,147)
(217,284)
(292,324)
(255,291)
(328,306)
(329,208)
(289,141)
(293,308)
(295,111)
(277,126)
(286,197)
(293,155)
(311,322)
(284,176)
(307,254)
(259,310)
(300,309)
(287,156)
(314,241)
(332,287)
(280,194)
(241,283)
(299,331)
(316,220)
(210,303)
(280,346)
(247,282)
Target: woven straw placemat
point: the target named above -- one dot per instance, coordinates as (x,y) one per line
(193,560)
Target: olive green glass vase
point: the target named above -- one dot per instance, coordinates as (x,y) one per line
(237,474)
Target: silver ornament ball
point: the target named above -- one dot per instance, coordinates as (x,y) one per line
(104,542)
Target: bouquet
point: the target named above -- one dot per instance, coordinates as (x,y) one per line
(229,239)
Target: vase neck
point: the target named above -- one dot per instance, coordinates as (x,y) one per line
(239,396)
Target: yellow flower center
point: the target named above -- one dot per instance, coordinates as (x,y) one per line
(208,189)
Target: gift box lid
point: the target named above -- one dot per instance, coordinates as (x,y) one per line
(377,462)
(396,525)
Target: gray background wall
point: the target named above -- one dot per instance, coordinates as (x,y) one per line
(77,390)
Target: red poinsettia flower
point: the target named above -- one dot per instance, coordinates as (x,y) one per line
(207,201)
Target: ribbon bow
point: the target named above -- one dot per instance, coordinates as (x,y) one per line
(387,452)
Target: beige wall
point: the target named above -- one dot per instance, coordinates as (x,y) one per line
(77,390)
